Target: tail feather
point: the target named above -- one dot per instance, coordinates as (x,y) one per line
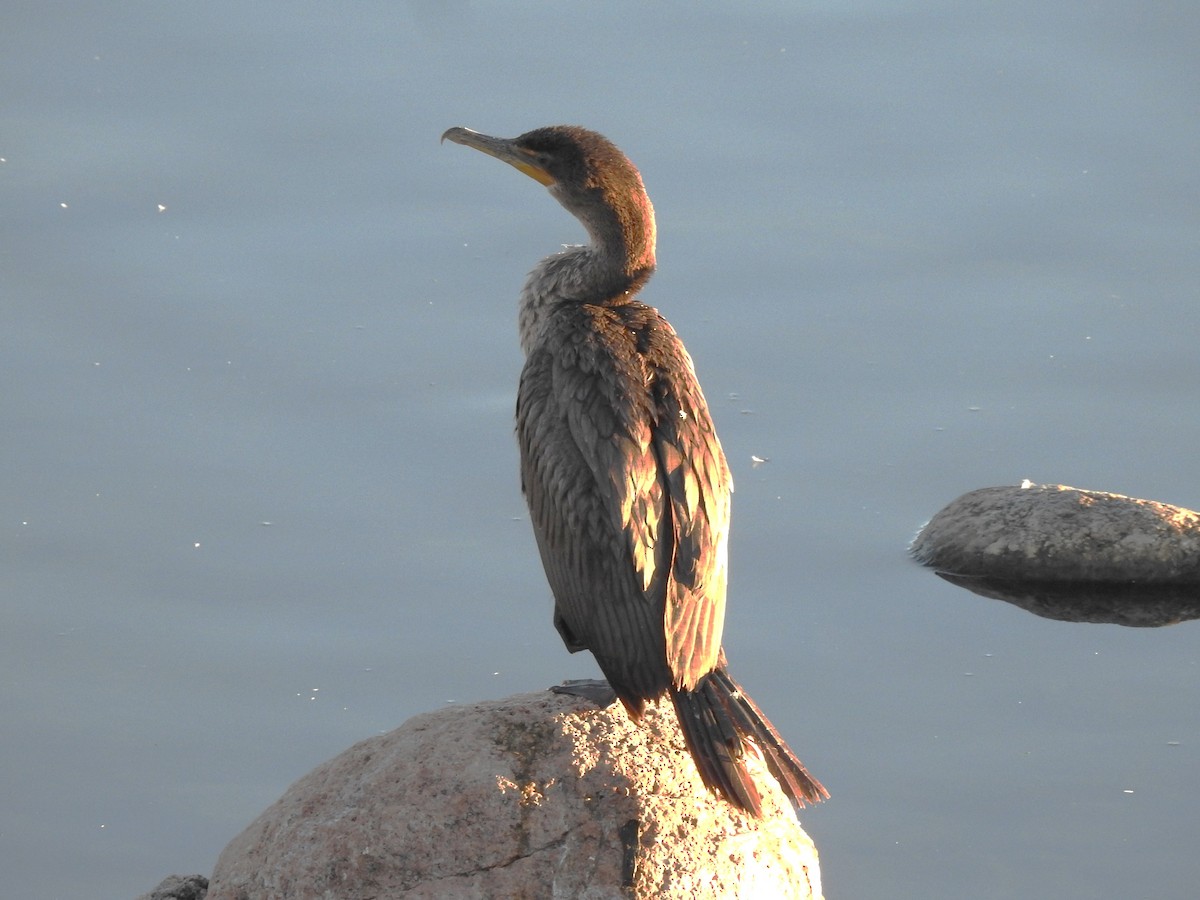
(717,719)
(715,747)
(781,761)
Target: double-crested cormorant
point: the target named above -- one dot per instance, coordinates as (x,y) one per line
(627,486)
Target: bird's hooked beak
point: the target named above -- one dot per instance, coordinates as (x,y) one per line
(504,149)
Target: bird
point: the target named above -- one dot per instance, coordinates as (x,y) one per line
(627,486)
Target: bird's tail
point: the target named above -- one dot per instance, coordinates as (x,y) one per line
(717,719)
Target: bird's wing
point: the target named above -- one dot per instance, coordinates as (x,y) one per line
(629,493)
(693,468)
(571,438)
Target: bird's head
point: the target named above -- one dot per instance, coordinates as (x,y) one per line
(589,176)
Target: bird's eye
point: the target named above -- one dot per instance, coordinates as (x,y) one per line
(539,158)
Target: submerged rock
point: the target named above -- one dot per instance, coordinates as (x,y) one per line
(538,795)
(1097,602)
(1056,533)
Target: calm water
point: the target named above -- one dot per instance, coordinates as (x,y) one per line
(259,359)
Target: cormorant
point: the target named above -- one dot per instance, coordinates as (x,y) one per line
(627,485)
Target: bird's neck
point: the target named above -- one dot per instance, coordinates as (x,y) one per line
(607,271)
(619,219)
(621,228)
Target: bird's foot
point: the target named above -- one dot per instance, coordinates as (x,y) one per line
(595,689)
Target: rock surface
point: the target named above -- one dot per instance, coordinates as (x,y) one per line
(538,795)
(1052,532)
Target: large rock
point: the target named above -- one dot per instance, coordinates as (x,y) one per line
(179,887)
(539,795)
(1055,533)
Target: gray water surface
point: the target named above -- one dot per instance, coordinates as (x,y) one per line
(258,355)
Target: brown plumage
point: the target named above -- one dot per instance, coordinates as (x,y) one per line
(627,485)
